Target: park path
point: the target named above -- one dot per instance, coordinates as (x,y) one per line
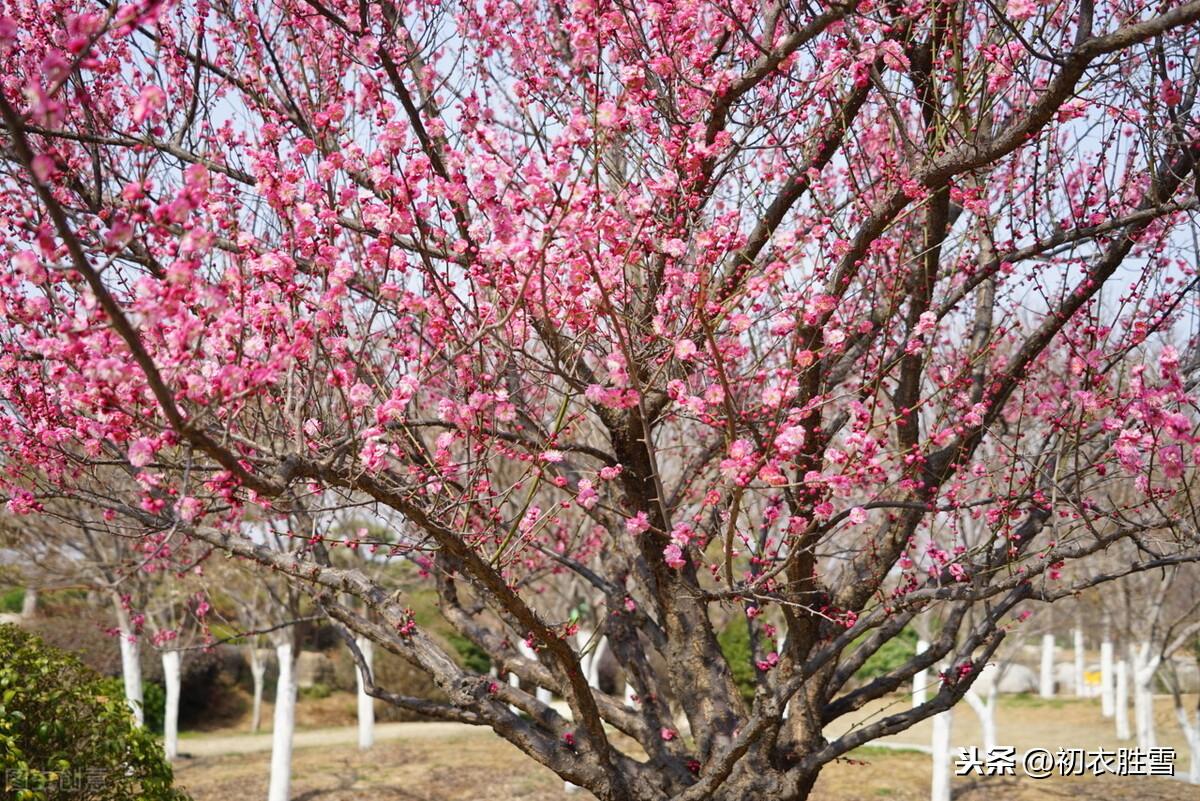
(223,744)
(1023,724)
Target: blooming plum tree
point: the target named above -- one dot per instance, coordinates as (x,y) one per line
(718,307)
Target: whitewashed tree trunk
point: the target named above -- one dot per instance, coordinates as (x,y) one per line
(1143,716)
(284,725)
(1106,678)
(258,671)
(1144,667)
(131,663)
(593,671)
(940,786)
(1077,648)
(1046,675)
(590,665)
(541,693)
(513,681)
(985,709)
(1191,734)
(1122,700)
(366,704)
(921,677)
(29,603)
(172,675)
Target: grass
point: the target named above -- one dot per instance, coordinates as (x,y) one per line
(1031,701)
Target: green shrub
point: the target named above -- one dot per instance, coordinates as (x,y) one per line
(12,600)
(735,644)
(154,700)
(63,733)
(316,690)
(891,655)
(470,655)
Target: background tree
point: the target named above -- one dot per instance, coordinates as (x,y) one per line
(723,307)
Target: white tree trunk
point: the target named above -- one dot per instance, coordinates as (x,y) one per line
(366,704)
(172,676)
(131,664)
(590,665)
(1122,700)
(1106,678)
(1046,675)
(1144,667)
(940,786)
(985,710)
(1143,715)
(1077,648)
(284,725)
(541,693)
(258,671)
(921,677)
(1191,733)
(593,671)
(513,681)
(29,603)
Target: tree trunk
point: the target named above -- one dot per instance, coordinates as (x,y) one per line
(172,676)
(1046,677)
(921,677)
(131,665)
(1077,648)
(590,665)
(258,671)
(513,681)
(541,693)
(284,725)
(1106,678)
(366,704)
(1191,734)
(940,787)
(1144,667)
(985,710)
(594,665)
(1122,700)
(1143,715)
(29,603)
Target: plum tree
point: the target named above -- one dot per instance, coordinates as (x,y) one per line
(721,308)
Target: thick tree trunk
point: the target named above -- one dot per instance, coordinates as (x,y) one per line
(1046,675)
(131,665)
(940,786)
(172,663)
(258,671)
(1122,700)
(1107,704)
(921,677)
(284,725)
(366,704)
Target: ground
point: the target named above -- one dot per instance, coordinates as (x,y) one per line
(450,762)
